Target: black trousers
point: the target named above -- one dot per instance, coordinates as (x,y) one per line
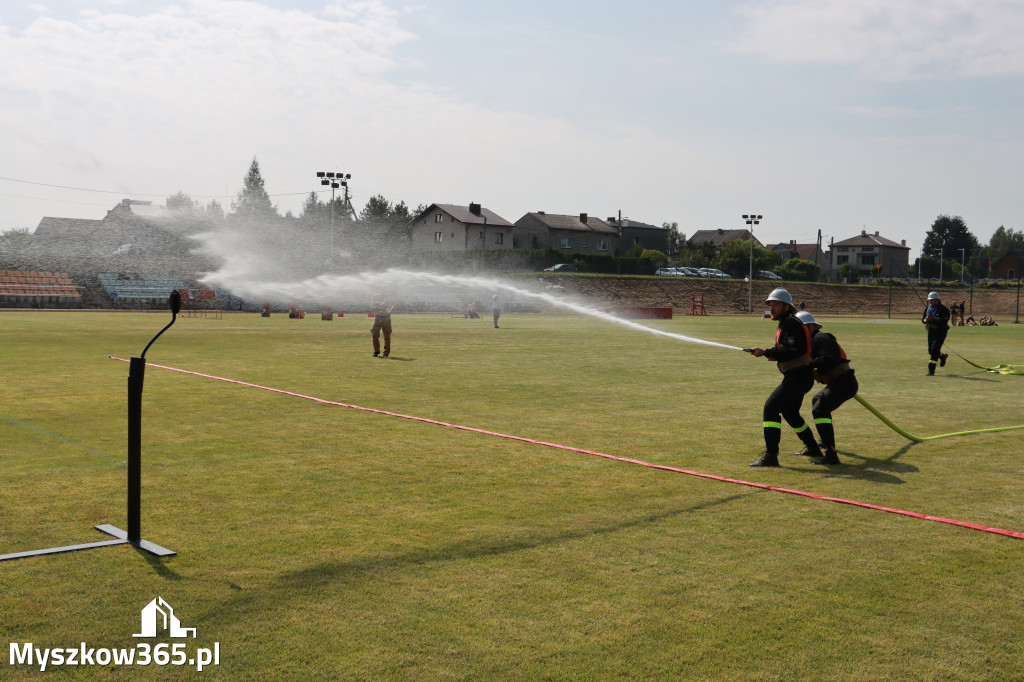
(785,401)
(936,337)
(827,401)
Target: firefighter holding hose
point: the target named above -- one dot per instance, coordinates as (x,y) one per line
(832,368)
(792,353)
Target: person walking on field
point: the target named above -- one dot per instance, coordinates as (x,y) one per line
(936,318)
(381,308)
(496,308)
(792,353)
(832,368)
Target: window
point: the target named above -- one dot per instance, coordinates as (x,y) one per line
(438,218)
(499,238)
(602,245)
(437,236)
(842,248)
(481,235)
(565,242)
(842,259)
(868,259)
(1009,274)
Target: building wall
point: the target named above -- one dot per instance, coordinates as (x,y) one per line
(865,257)
(1007,267)
(646,238)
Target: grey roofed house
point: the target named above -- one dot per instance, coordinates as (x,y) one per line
(719,237)
(460,228)
(635,233)
(865,251)
(573,233)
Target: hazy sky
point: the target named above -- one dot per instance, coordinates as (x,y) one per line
(838,115)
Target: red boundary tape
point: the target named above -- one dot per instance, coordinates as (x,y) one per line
(762,486)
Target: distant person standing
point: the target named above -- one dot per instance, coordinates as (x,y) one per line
(496,308)
(963,307)
(936,318)
(832,368)
(381,307)
(792,352)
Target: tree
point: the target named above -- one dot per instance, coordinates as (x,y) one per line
(735,257)
(214,211)
(801,270)
(181,203)
(676,239)
(377,209)
(1003,241)
(948,235)
(253,202)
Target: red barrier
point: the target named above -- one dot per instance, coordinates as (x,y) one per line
(638,313)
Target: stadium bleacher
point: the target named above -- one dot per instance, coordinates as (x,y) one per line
(137,286)
(38,287)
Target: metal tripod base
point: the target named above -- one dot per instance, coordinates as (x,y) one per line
(154,549)
(122,539)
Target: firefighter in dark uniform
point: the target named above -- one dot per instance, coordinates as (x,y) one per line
(936,317)
(832,368)
(792,352)
(381,308)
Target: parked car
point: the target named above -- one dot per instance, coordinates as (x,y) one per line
(713,272)
(688,272)
(561,267)
(666,272)
(766,274)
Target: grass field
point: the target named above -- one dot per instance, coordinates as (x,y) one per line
(320,542)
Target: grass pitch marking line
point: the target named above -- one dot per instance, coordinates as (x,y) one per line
(751,484)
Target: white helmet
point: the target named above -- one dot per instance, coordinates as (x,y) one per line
(780,294)
(806,317)
(934,296)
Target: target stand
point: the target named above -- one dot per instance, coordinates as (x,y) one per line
(133,536)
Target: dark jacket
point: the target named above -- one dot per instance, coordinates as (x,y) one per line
(792,340)
(826,352)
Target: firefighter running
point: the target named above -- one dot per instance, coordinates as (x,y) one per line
(936,317)
(792,352)
(832,368)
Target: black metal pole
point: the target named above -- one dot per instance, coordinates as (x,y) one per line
(136,376)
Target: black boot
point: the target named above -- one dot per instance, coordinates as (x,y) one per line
(831,457)
(811,452)
(768,459)
(942,360)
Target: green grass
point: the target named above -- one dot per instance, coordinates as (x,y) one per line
(318,542)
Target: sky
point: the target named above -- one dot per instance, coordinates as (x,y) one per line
(830,115)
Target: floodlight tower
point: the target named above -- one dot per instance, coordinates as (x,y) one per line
(751,220)
(335,180)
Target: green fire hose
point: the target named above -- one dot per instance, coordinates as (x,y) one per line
(918,439)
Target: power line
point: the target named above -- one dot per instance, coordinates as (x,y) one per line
(57,201)
(137,194)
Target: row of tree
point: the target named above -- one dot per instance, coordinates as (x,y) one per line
(951,248)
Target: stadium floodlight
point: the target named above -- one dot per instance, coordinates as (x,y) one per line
(751,219)
(133,536)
